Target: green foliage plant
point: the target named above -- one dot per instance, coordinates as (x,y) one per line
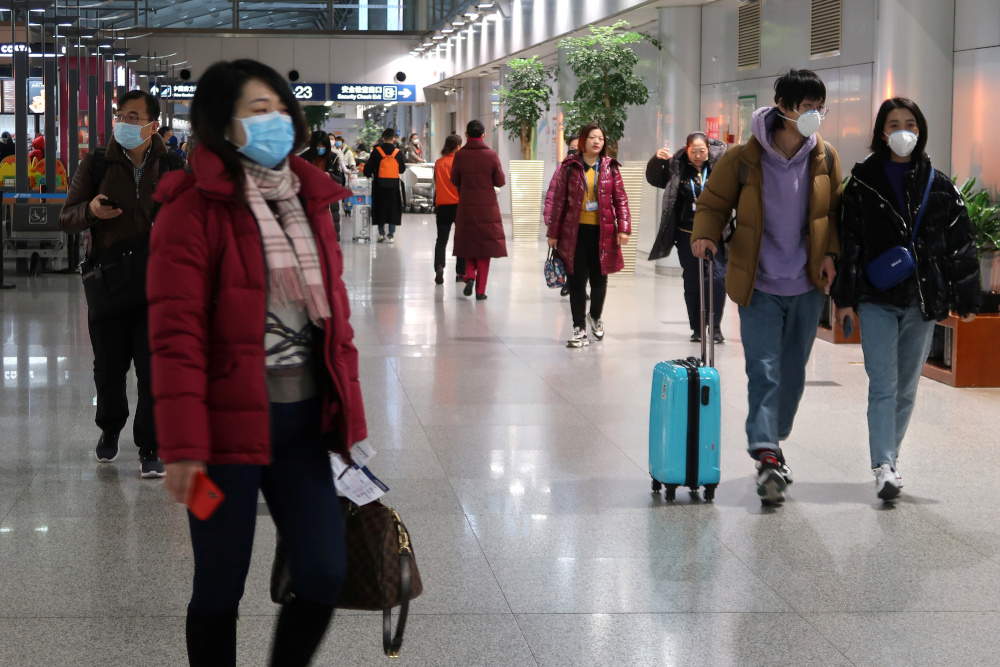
(604,64)
(316,115)
(525,99)
(371,134)
(984,215)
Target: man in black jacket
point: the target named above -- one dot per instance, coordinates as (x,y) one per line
(387,203)
(111,198)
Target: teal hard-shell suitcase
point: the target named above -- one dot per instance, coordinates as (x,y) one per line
(685,416)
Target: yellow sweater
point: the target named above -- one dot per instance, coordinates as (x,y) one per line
(589,217)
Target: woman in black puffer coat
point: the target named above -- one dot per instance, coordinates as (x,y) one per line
(322,156)
(683,177)
(880,207)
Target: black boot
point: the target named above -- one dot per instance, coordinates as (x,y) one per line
(301,627)
(211,638)
(439,275)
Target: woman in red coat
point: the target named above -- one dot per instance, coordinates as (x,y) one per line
(479,232)
(589,225)
(255,374)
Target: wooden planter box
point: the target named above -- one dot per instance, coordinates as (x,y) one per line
(970,356)
(831,331)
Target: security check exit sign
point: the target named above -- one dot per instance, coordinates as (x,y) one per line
(372,92)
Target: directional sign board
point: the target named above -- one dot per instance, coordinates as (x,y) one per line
(179,91)
(372,92)
(309,92)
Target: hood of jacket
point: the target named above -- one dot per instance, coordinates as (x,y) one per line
(762,127)
(207,173)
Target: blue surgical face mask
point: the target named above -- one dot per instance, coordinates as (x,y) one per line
(270,138)
(321,151)
(130,136)
(338,144)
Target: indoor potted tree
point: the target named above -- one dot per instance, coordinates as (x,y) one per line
(524,99)
(604,63)
(985,218)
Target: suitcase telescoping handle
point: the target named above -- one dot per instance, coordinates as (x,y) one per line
(707,323)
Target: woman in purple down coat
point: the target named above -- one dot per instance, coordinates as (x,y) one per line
(590,223)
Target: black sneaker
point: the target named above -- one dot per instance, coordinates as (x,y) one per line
(719,338)
(150,465)
(439,275)
(480,297)
(564,291)
(107,447)
(469,285)
(695,337)
(771,483)
(459,278)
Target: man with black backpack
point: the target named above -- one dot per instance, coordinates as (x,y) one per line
(111,198)
(385,164)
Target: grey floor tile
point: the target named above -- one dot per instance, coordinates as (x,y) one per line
(430,641)
(109,641)
(530,495)
(929,639)
(620,535)
(735,640)
(632,585)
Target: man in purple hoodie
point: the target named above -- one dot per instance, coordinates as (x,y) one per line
(785,186)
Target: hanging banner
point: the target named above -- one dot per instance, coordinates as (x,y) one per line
(713,127)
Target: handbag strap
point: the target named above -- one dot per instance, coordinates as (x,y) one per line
(391,645)
(923,205)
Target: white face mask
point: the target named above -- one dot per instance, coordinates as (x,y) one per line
(807,123)
(902,142)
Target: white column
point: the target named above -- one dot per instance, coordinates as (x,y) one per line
(915,59)
(679,87)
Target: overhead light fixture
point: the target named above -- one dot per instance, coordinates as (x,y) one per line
(472,15)
(447,31)
(484,5)
(328,103)
(437,38)
(458,23)
(426,44)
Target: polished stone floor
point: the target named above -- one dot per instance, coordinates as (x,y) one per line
(520,469)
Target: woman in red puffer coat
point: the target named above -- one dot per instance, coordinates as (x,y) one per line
(255,374)
(589,225)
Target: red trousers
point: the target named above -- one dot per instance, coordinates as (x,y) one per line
(478,270)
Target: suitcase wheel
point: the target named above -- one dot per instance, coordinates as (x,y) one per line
(671,493)
(656,486)
(710,493)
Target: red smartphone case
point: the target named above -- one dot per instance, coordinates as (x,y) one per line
(204,497)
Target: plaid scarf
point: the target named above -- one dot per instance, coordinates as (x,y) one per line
(289,247)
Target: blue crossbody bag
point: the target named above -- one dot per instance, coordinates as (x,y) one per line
(897,264)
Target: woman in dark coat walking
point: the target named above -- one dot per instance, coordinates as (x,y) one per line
(683,176)
(589,225)
(322,156)
(896,198)
(479,234)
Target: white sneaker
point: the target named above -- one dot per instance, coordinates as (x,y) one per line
(886,482)
(579,338)
(391,238)
(596,328)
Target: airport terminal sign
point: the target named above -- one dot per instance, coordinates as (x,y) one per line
(372,92)
(309,92)
(179,91)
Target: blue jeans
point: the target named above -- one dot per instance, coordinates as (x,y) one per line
(896,342)
(778,334)
(298,488)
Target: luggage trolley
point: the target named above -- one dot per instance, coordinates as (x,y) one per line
(33,235)
(361,202)
(419,182)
